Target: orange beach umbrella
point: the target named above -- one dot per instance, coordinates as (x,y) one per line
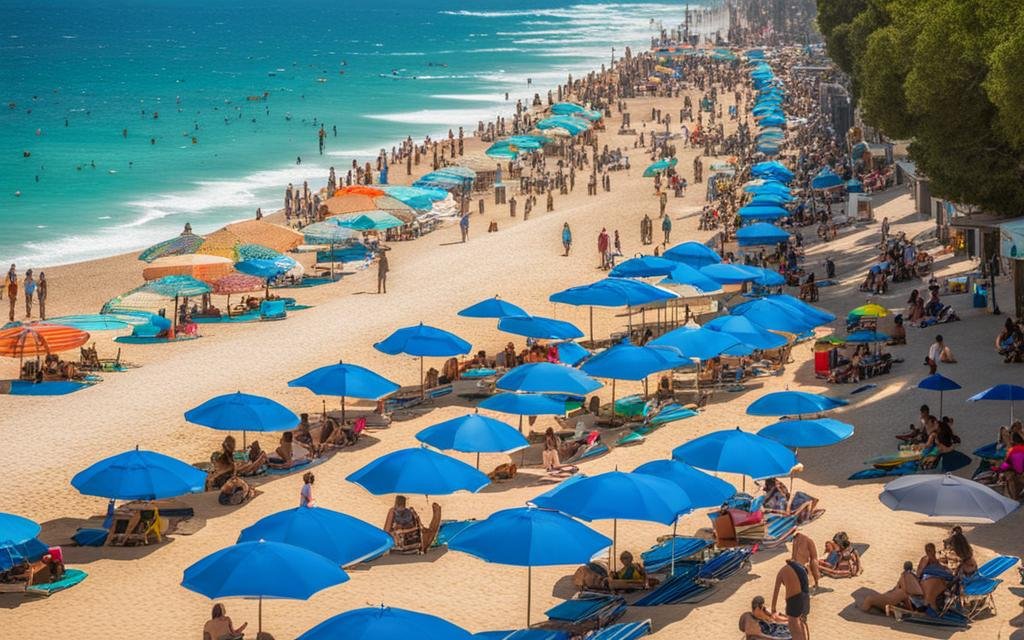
(40,339)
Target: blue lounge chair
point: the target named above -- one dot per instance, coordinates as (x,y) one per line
(449,529)
(523,634)
(273,310)
(694,581)
(621,631)
(976,591)
(659,557)
(587,611)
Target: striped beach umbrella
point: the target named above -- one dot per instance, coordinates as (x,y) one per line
(40,339)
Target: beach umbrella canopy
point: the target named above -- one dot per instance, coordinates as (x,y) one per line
(417,197)
(807,310)
(546,377)
(202,267)
(237,283)
(736,451)
(762,211)
(687,276)
(473,433)
(761,233)
(866,336)
(800,310)
(139,475)
(261,268)
(701,489)
(15,529)
(702,343)
(385,623)
(770,199)
(13,554)
(940,383)
(727,273)
(616,495)
(330,231)
(262,569)
(184,244)
(826,179)
(767,277)
(661,165)
(370,221)
(800,434)
(40,339)
(947,496)
(258,232)
(346,380)
(870,310)
(772,120)
(349,200)
(423,340)
(539,327)
(776,317)
(503,149)
(243,412)
(693,254)
(612,292)
(525,404)
(746,332)
(787,403)
(626,361)
(1005,392)
(854,186)
(644,267)
(98,321)
(492,308)
(420,471)
(175,287)
(340,538)
(571,353)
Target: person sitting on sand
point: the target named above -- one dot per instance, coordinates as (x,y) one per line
(631,575)
(220,627)
(898,335)
(405,526)
(841,559)
(288,454)
(907,594)
(224,464)
(235,492)
(940,441)
(760,624)
(960,553)
(778,500)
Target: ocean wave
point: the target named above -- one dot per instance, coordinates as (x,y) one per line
(366,153)
(437,116)
(471,97)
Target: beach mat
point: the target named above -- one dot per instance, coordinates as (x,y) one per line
(51,388)
(309,282)
(305,464)
(71,578)
(152,340)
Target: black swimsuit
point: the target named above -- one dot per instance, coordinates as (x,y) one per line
(799,605)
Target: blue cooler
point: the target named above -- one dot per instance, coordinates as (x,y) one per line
(980,297)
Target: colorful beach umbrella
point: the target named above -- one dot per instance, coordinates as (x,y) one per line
(800,434)
(385,623)
(492,308)
(736,451)
(546,377)
(15,529)
(659,167)
(788,403)
(539,327)
(340,538)
(346,381)
(419,471)
(139,475)
(184,244)
(870,310)
(947,496)
(370,221)
(40,339)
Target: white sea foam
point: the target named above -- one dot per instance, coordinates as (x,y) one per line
(472,97)
(437,116)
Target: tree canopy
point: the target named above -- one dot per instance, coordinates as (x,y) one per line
(947,74)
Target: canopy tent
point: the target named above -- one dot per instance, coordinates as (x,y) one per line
(761,233)
(448,178)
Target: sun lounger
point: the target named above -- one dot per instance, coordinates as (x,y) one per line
(681,587)
(907,463)
(449,529)
(70,578)
(586,612)
(523,634)
(932,618)
(659,557)
(976,591)
(587,452)
(621,631)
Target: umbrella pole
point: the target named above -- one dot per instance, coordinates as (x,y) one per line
(672,569)
(343,411)
(615,540)
(423,390)
(521,424)
(592,342)
(478,461)
(259,617)
(529,592)
(613,401)
(174,317)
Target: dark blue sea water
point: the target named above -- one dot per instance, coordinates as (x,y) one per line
(186,80)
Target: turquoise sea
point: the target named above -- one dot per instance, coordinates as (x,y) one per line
(76,74)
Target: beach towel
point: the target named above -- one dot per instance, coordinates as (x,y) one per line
(152,339)
(71,578)
(303,464)
(948,463)
(472,374)
(88,537)
(49,388)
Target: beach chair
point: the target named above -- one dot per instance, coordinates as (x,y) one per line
(586,612)
(523,634)
(694,581)
(621,631)
(976,591)
(273,310)
(674,550)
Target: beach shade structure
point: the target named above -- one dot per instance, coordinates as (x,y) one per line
(243,412)
(702,343)
(767,277)
(184,244)
(418,470)
(777,317)
(235,283)
(360,198)
(769,199)
(346,381)
(39,340)
(659,167)
(693,254)
(768,148)
(747,332)
(525,404)
(448,178)
(539,327)
(644,267)
(854,186)
(810,311)
(765,211)
(370,221)
(826,179)
(690,278)
(574,126)
(262,569)
(799,434)
(940,383)
(1005,392)
(789,403)
(866,336)
(503,150)
(262,268)
(492,308)
(15,529)
(728,273)
(946,496)
(772,170)
(422,341)
(762,187)
(574,109)
(772,120)
(547,377)
(701,489)
(422,198)
(329,232)
(167,287)
(570,353)
(99,321)
(340,538)
(261,232)
(612,292)
(385,623)
(528,537)
(199,266)
(736,451)
(626,361)
(761,233)
(139,475)
(785,304)
(473,433)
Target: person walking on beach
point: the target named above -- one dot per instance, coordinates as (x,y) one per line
(382,273)
(566,238)
(663,201)
(666,227)
(41,295)
(464,225)
(12,289)
(30,288)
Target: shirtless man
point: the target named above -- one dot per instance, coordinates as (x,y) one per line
(798,598)
(806,553)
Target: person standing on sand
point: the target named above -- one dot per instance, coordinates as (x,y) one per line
(663,201)
(306,493)
(566,238)
(793,576)
(666,227)
(12,289)
(464,225)
(30,288)
(41,295)
(382,273)
(602,248)
(806,553)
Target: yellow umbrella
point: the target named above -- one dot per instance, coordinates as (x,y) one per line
(870,310)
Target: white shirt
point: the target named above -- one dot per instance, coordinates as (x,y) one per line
(935,351)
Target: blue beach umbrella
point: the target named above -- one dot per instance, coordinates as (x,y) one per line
(571,353)
(139,475)
(1005,392)
(767,188)
(492,308)
(546,377)
(525,404)
(800,434)
(370,221)
(702,344)
(788,403)
(15,529)
(687,276)
(826,179)
(612,292)
(770,198)
(693,254)
(807,310)
(346,380)
(262,569)
(775,317)
(767,277)
(473,433)
(727,273)
(261,268)
(243,412)
(616,495)
(661,165)
(802,312)
(527,537)
(12,555)
(736,451)
(746,332)
(940,383)
(625,361)
(643,267)
(539,327)
(762,212)
(701,489)
(329,232)
(423,340)
(761,233)
(340,538)
(772,120)
(772,169)
(385,623)
(420,471)
(854,186)
(866,336)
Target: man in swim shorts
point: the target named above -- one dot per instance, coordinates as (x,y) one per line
(793,576)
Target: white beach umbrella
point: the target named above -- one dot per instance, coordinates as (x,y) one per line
(946,495)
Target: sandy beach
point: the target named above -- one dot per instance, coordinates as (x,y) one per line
(134,592)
